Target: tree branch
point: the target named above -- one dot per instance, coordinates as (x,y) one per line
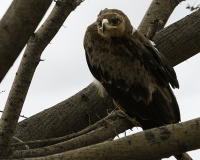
(29,62)
(105,129)
(16,27)
(47,142)
(160,10)
(181,137)
(180,40)
(75,113)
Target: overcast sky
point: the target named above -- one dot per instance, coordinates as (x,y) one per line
(64,71)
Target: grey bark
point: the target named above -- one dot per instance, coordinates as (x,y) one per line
(148,145)
(69,116)
(180,40)
(104,131)
(29,62)
(160,10)
(16,27)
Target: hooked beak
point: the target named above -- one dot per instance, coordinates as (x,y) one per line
(104,25)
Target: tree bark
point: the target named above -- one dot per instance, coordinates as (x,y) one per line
(180,40)
(29,62)
(74,114)
(16,27)
(104,131)
(160,10)
(33,127)
(148,145)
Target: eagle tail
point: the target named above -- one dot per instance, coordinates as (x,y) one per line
(162,110)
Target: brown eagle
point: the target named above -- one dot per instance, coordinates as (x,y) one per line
(134,73)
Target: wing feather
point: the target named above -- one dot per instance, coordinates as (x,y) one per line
(154,60)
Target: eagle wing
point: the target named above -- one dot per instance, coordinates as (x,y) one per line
(135,75)
(156,61)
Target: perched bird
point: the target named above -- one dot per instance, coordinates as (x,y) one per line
(131,70)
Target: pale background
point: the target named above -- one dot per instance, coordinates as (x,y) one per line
(64,71)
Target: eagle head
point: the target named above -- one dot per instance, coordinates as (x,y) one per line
(113,23)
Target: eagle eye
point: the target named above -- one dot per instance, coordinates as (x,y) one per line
(114,22)
(99,23)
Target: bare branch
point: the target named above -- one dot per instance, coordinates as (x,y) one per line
(19,116)
(29,62)
(101,131)
(72,113)
(2,91)
(16,27)
(21,142)
(192,7)
(180,40)
(160,10)
(84,131)
(181,137)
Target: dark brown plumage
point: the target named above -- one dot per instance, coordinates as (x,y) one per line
(131,70)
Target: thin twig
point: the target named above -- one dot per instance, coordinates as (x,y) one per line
(19,140)
(2,91)
(101,133)
(109,125)
(112,115)
(19,116)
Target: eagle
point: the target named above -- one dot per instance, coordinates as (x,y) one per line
(131,70)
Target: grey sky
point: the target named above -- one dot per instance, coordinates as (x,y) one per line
(64,71)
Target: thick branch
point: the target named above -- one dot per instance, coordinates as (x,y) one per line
(106,129)
(75,113)
(159,9)
(180,40)
(47,142)
(29,62)
(181,137)
(16,27)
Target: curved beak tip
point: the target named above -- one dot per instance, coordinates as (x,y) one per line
(104,25)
